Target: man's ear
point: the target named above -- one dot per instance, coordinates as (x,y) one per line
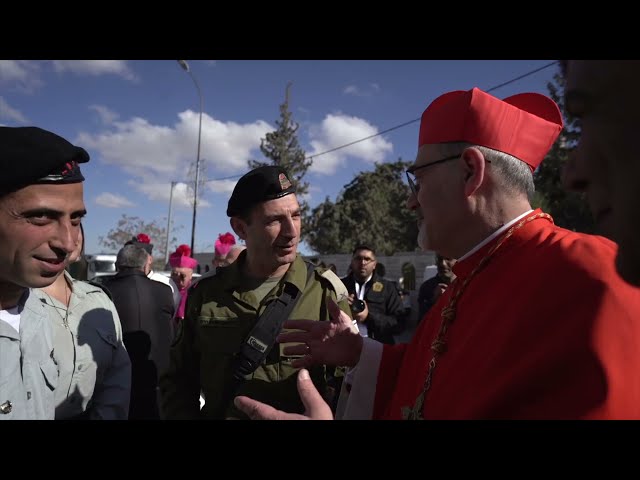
(239,227)
(474,170)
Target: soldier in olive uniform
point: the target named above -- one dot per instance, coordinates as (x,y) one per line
(222,309)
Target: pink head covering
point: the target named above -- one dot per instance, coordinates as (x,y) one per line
(224,243)
(181,258)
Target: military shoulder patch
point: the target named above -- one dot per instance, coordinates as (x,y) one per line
(336,283)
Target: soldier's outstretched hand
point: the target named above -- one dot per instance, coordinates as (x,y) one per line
(315,406)
(336,342)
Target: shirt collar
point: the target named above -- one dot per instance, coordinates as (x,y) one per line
(296,274)
(466,264)
(495,234)
(365,282)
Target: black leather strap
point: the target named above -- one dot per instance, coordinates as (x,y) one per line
(262,337)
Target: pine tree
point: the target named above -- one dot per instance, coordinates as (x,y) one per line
(282,148)
(568,209)
(372,209)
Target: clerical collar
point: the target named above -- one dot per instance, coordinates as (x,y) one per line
(502,229)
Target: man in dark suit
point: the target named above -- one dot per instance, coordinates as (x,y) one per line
(375,302)
(146,310)
(432,288)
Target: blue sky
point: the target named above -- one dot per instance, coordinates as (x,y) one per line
(138,119)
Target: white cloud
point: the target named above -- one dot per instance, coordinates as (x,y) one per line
(106,115)
(9,113)
(26,75)
(351,90)
(153,151)
(112,200)
(337,130)
(23,75)
(222,186)
(312,193)
(367,91)
(161,192)
(95,67)
(307,197)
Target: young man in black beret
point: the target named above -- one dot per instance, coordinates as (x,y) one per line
(41,206)
(218,333)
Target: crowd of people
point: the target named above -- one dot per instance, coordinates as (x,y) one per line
(524,319)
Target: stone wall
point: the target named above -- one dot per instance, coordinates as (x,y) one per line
(393,263)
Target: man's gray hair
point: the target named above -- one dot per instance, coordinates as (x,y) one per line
(512,173)
(131,256)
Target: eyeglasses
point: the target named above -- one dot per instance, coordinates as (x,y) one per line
(411,172)
(364,260)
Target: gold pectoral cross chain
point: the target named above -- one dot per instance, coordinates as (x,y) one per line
(415,413)
(448,314)
(438,346)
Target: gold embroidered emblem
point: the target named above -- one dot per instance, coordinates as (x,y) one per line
(284,181)
(377,287)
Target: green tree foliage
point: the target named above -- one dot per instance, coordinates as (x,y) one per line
(568,209)
(128,227)
(372,209)
(282,148)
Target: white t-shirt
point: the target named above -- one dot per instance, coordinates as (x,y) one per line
(360,290)
(12,317)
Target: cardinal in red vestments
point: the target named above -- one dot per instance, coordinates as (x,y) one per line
(537,324)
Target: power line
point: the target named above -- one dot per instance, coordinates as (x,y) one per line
(522,76)
(407,123)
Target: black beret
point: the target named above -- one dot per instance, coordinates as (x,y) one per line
(257,186)
(30,155)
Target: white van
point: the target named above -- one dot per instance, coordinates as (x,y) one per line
(100,265)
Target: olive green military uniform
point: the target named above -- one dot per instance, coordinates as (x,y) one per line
(219,316)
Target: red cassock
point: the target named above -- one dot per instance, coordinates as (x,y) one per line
(546,330)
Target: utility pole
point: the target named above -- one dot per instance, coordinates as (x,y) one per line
(166,245)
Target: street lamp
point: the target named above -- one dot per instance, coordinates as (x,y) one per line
(166,245)
(185,67)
